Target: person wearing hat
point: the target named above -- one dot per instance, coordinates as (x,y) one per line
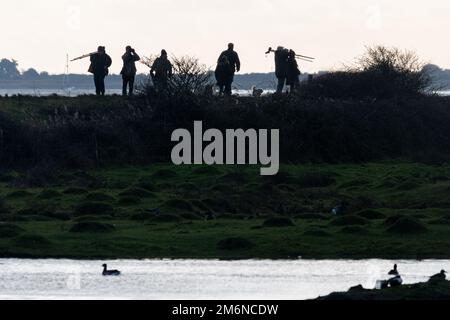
(161,71)
(129,70)
(235,65)
(100,63)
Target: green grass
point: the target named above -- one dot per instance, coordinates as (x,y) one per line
(242,201)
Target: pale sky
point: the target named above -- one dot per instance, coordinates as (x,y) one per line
(40,33)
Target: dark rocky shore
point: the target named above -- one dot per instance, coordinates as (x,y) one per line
(431,290)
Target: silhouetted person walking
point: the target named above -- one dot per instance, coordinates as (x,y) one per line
(281,63)
(129,70)
(235,64)
(100,62)
(161,71)
(223,73)
(292,72)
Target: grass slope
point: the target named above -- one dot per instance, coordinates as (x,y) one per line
(395,211)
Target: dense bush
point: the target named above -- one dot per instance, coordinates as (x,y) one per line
(366,124)
(382,73)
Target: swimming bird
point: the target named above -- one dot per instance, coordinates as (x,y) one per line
(439,277)
(107,272)
(394,272)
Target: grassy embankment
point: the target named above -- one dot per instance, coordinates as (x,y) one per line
(397,210)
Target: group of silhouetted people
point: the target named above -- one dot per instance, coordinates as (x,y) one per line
(160,71)
(286,70)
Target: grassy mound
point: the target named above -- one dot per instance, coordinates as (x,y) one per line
(74,191)
(164,174)
(282,177)
(188,187)
(93,208)
(219,204)
(407,225)
(191,216)
(206,170)
(99,197)
(179,205)
(315,180)
(31,241)
(350,220)
(137,192)
(92,227)
(48,194)
(129,201)
(354,230)
(19,194)
(371,214)
(312,216)
(237,243)
(146,185)
(233,177)
(316,233)
(278,222)
(8,230)
(92,218)
(166,218)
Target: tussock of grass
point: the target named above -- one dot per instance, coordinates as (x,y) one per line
(354,230)
(191,216)
(219,204)
(164,174)
(137,192)
(19,194)
(129,201)
(234,243)
(99,197)
(407,225)
(315,180)
(146,185)
(92,227)
(312,216)
(233,177)
(32,241)
(371,214)
(75,191)
(8,230)
(317,233)
(93,208)
(179,205)
(166,218)
(278,222)
(350,220)
(206,170)
(49,194)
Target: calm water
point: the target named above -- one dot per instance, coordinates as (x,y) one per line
(198,279)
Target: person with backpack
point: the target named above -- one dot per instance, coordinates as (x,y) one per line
(161,71)
(100,63)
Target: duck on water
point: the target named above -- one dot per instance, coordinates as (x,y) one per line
(394,272)
(107,272)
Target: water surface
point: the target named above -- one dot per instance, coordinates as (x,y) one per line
(199,279)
